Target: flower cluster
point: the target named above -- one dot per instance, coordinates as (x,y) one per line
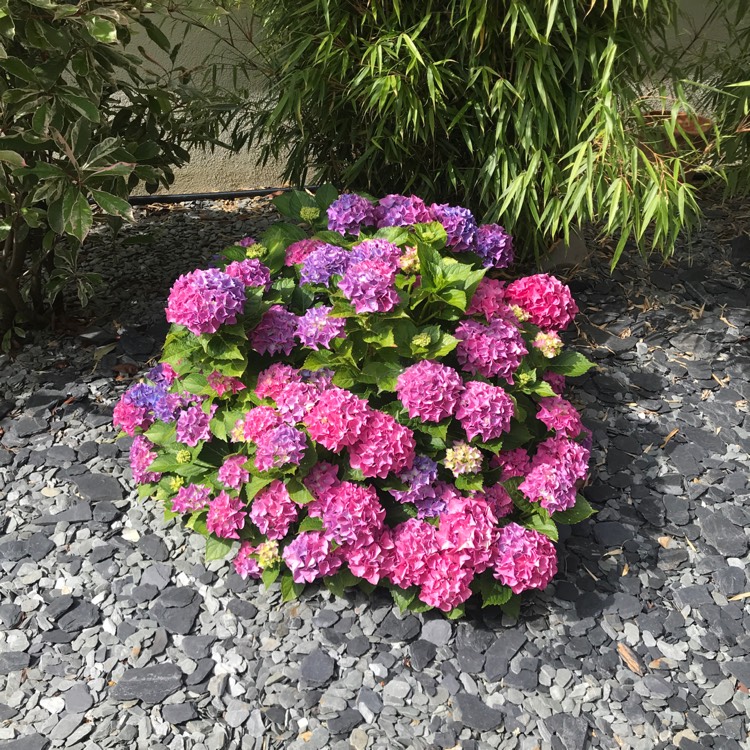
(368,405)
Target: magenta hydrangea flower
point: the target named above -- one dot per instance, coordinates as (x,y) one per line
(467,531)
(273,511)
(557,382)
(321,481)
(493,350)
(191,497)
(141,457)
(488,299)
(256,422)
(429,390)
(226,516)
(459,224)
(445,584)
(223,383)
(298,251)
(512,463)
(547,301)
(298,399)
(280,446)
(376,249)
(384,446)
(193,425)
(309,556)
(370,557)
(402,211)
(525,559)
(324,262)
(560,415)
(275,332)
(499,500)
(317,327)
(414,542)
(351,511)
(129,417)
(337,419)
(485,410)
(494,246)
(368,285)
(245,564)
(251,272)
(272,380)
(232,473)
(349,213)
(203,301)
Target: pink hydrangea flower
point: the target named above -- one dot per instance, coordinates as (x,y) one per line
(321,480)
(401,211)
(369,557)
(384,446)
(429,390)
(493,350)
(485,410)
(191,497)
(560,415)
(280,446)
(557,382)
(273,511)
(275,332)
(272,380)
(309,556)
(376,249)
(258,421)
(337,419)
(413,543)
(499,499)
(351,511)
(298,251)
(525,559)
(246,565)
(467,529)
(514,463)
(547,301)
(223,383)
(251,272)
(296,400)
(232,473)
(203,301)
(445,584)
(129,417)
(488,299)
(226,516)
(368,285)
(141,457)
(193,425)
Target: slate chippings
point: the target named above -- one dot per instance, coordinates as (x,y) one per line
(115,633)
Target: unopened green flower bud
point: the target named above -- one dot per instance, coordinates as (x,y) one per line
(309,213)
(520,313)
(184,456)
(268,554)
(175,483)
(523,378)
(256,251)
(421,340)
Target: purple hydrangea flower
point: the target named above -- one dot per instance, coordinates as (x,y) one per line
(422,490)
(368,285)
(322,263)
(309,556)
(282,445)
(494,246)
(376,249)
(250,272)
(484,410)
(141,457)
(203,301)
(459,225)
(246,242)
(318,328)
(155,399)
(493,350)
(190,498)
(349,212)
(402,211)
(275,332)
(193,425)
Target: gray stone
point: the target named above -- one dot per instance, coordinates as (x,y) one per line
(692,596)
(179,713)
(422,653)
(27,742)
(98,487)
(476,714)
(153,547)
(498,657)
(198,646)
(345,721)
(438,632)
(76,513)
(316,668)
(28,426)
(728,540)
(611,533)
(723,692)
(731,581)
(85,615)
(570,730)
(658,686)
(176,609)
(739,669)
(6,712)
(370,700)
(13,661)
(254,726)
(150,684)
(78,700)
(10,615)
(66,726)
(237,713)
(358,646)
(399,629)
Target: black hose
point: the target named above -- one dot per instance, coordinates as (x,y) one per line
(144,200)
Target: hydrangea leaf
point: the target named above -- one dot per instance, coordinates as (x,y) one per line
(283,204)
(234,252)
(269,575)
(383,374)
(217,548)
(325,195)
(255,485)
(298,492)
(289,589)
(162,433)
(403,597)
(470,482)
(332,238)
(541,521)
(197,522)
(396,235)
(277,239)
(579,512)
(311,523)
(512,607)
(418,606)
(570,364)
(493,592)
(457,612)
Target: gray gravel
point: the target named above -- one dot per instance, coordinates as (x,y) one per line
(115,633)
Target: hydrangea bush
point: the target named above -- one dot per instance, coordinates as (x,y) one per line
(363,397)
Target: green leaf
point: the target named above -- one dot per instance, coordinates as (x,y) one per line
(311,523)
(83,106)
(19,69)
(493,592)
(77,214)
(276,239)
(289,589)
(217,548)
(541,521)
(396,235)
(341,581)
(579,512)
(298,492)
(325,195)
(512,607)
(12,158)
(112,204)
(164,463)
(474,482)
(101,29)
(269,575)
(570,364)
(383,374)
(255,485)
(541,388)
(457,612)
(403,597)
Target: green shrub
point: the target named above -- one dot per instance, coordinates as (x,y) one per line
(83,123)
(530,112)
